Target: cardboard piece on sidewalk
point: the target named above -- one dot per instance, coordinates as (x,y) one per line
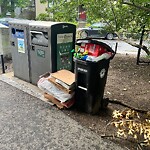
(65,78)
(51,79)
(60,105)
(53,100)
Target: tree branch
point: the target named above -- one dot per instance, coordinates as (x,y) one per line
(137,6)
(113,12)
(125,105)
(138,46)
(143,47)
(126,139)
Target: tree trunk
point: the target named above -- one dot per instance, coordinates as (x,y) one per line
(4,7)
(12,8)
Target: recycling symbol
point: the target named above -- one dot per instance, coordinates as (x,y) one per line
(102,73)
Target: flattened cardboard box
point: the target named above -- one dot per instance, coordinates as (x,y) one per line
(65,76)
(60,105)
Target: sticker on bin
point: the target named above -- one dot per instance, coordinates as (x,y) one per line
(102,73)
(81,69)
(21,45)
(40,53)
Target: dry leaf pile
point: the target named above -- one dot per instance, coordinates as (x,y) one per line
(131,124)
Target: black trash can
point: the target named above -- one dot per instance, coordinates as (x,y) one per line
(90,82)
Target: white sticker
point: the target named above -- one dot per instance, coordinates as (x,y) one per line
(64,38)
(102,73)
(81,69)
(21,46)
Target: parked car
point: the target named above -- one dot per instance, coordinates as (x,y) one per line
(96,30)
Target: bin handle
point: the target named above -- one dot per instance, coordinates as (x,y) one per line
(38,32)
(83,88)
(113,55)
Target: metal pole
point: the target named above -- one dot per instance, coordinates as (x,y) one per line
(3,67)
(116,46)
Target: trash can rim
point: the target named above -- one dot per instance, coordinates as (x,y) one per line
(88,62)
(79,41)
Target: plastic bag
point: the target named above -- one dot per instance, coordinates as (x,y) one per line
(51,89)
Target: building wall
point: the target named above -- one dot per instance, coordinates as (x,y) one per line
(40,7)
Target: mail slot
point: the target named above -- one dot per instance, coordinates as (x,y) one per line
(39,38)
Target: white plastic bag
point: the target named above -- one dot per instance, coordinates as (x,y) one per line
(51,89)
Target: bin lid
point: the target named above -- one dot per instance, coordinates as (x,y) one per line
(3,26)
(21,21)
(80,41)
(46,23)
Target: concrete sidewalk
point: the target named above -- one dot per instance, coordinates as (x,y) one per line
(27,123)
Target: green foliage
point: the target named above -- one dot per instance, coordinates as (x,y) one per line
(18,3)
(64,11)
(9,5)
(119,16)
(44,17)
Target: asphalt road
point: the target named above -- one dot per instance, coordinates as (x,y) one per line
(27,123)
(123,47)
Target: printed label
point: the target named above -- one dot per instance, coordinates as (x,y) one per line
(102,73)
(41,53)
(21,46)
(83,70)
(64,38)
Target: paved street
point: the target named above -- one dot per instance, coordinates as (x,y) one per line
(123,47)
(27,123)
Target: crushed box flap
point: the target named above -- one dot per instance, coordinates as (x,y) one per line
(65,76)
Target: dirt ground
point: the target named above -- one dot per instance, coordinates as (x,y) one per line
(126,82)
